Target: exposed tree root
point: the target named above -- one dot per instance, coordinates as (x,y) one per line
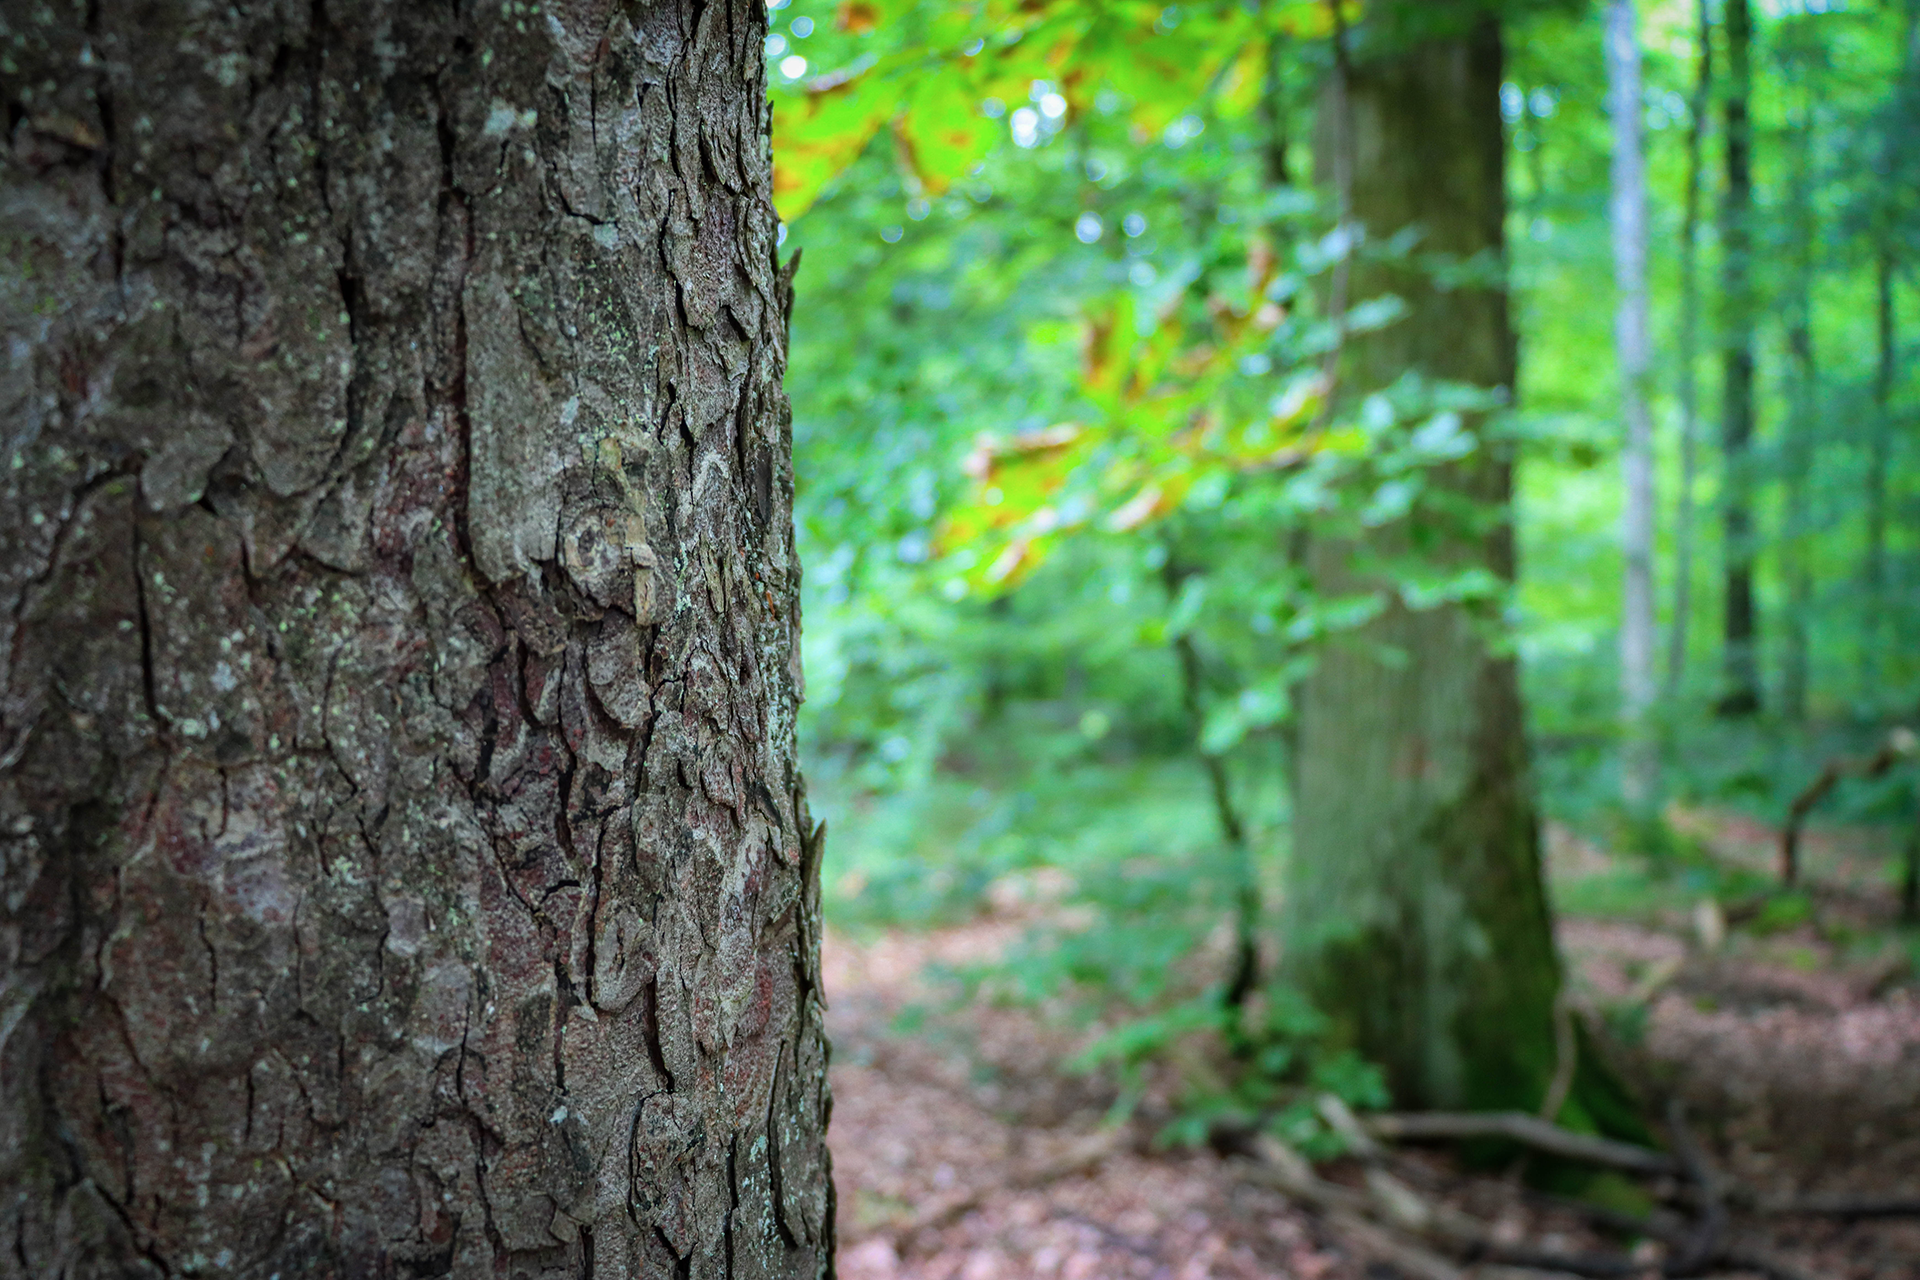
(1433,1241)
(1846,1208)
(1530,1131)
(1705,1243)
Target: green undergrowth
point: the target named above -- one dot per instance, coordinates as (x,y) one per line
(1127,894)
(1656,872)
(1651,888)
(1113,867)
(1138,959)
(929,854)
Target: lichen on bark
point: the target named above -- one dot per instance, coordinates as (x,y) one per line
(407,869)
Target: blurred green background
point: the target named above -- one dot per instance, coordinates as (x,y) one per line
(1058,731)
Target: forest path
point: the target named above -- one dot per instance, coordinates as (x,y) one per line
(934,1132)
(964,1151)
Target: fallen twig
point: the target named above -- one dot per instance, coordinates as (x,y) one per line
(1138,1248)
(1662,1225)
(1082,1157)
(1846,1207)
(1402,1255)
(1672,1230)
(1706,1248)
(1392,1215)
(1767,1264)
(1285,1170)
(1595,1266)
(1566,1057)
(1532,1131)
(1698,1248)
(1703,1245)
(1654,980)
(1431,1240)
(1340,1118)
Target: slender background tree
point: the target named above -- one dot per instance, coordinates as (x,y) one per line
(1740,657)
(1890,214)
(1799,57)
(1687,352)
(1634,356)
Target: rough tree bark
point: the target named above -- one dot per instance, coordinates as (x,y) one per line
(1740,626)
(1416,913)
(1634,355)
(406,867)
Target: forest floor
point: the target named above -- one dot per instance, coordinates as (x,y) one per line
(965,1150)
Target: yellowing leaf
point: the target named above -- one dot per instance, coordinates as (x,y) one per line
(941,132)
(1139,509)
(1012,563)
(857,17)
(820,130)
(1244,80)
(935,61)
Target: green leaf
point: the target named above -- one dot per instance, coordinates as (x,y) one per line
(819,131)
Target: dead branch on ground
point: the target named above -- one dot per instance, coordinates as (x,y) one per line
(1846,1208)
(1404,1228)
(1530,1131)
(1422,1237)
(1704,1244)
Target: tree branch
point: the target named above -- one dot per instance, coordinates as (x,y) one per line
(1531,1131)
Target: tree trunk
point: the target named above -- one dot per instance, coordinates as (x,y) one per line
(1741,695)
(1416,911)
(1879,446)
(1799,444)
(407,870)
(1899,163)
(1274,107)
(1699,105)
(1629,217)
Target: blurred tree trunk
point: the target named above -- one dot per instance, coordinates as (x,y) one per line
(1740,636)
(1879,446)
(407,870)
(1799,450)
(1899,165)
(1698,116)
(1634,358)
(1274,109)
(1417,916)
